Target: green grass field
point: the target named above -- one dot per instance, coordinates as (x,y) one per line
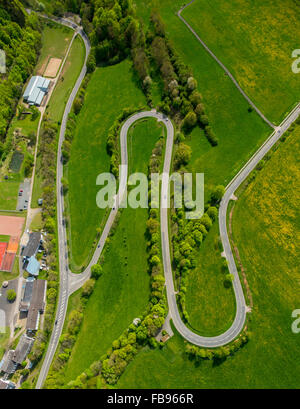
(211,306)
(9,194)
(4,238)
(103,103)
(67,80)
(240,134)
(268,239)
(255,40)
(121,294)
(55,42)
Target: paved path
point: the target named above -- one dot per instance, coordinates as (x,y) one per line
(222,65)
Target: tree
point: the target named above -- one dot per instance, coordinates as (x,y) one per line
(96,271)
(11,295)
(217,194)
(182,155)
(91,63)
(190,120)
(228,280)
(88,288)
(191,84)
(65,185)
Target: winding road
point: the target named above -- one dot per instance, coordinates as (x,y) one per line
(70,282)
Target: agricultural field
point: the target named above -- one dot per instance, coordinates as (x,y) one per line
(267,240)
(88,152)
(122,293)
(242,36)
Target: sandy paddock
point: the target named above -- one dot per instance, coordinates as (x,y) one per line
(52,67)
(11,226)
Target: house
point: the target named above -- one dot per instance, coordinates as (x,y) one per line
(7,384)
(23,348)
(7,365)
(27,295)
(36,90)
(37,305)
(13,358)
(34,243)
(33,266)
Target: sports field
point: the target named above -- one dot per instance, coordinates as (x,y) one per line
(255,40)
(88,152)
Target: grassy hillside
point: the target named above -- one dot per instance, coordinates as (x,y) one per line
(110,90)
(255,40)
(67,80)
(121,294)
(267,231)
(55,42)
(240,133)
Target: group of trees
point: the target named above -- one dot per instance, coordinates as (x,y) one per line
(153,52)
(20,39)
(217,354)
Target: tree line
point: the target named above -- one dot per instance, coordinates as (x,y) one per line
(20,39)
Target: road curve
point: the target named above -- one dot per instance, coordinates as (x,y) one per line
(70,282)
(222,65)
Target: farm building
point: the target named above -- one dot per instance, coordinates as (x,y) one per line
(36,89)
(33,245)
(37,305)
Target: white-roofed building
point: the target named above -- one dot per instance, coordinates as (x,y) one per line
(36,89)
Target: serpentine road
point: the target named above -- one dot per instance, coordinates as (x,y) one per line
(70,282)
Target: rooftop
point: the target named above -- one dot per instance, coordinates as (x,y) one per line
(33,266)
(23,349)
(33,244)
(37,305)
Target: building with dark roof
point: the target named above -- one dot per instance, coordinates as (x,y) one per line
(7,365)
(34,243)
(27,295)
(37,305)
(23,349)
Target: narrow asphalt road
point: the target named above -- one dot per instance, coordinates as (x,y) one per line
(222,65)
(62,236)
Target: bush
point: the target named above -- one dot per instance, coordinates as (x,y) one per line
(11,295)
(96,271)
